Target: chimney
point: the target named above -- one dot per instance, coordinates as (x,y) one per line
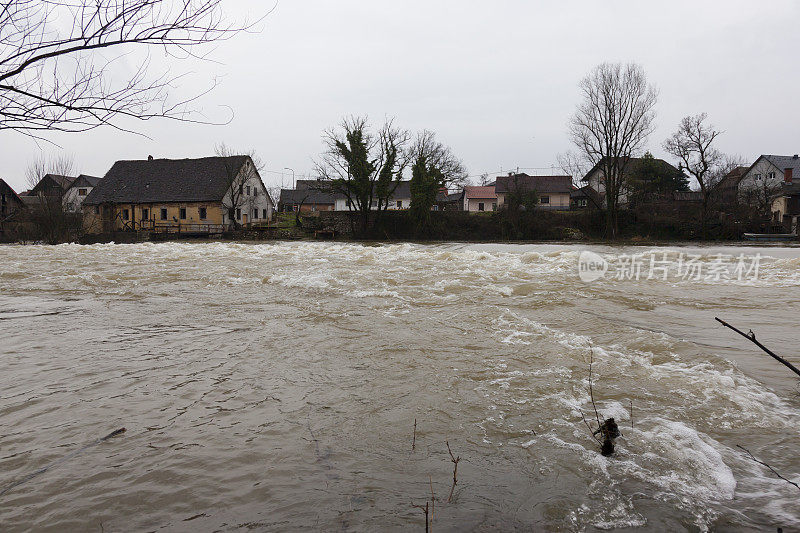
(149,157)
(787,176)
(795,156)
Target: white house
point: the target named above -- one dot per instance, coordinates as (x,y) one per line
(401,199)
(480,198)
(77,192)
(768,171)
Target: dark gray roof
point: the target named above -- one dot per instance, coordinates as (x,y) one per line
(50,181)
(167,180)
(785,161)
(540,184)
(632,166)
(85,181)
(308,196)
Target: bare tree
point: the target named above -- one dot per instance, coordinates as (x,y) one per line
(57,59)
(434,168)
(49,179)
(612,124)
(240,169)
(364,166)
(693,146)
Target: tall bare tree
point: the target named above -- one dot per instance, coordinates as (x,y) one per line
(612,124)
(57,59)
(693,146)
(363,165)
(52,221)
(434,168)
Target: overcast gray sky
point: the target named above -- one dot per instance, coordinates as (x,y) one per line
(496,80)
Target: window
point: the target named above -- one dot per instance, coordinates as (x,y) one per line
(97,210)
(183,213)
(81,192)
(494,206)
(126,215)
(248,190)
(399,204)
(771,176)
(757,177)
(544,200)
(583,202)
(255,192)
(255,214)
(263,213)
(163,214)
(480,206)
(145,214)
(435,208)
(203,213)
(238,214)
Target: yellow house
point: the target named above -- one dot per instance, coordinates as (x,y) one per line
(178,196)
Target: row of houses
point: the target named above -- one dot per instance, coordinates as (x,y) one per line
(215,193)
(552,192)
(204,195)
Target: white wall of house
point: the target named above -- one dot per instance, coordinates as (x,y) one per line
(755,178)
(254,202)
(597,181)
(555,200)
(73,198)
(474,204)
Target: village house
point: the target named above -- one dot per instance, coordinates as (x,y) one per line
(785,199)
(480,198)
(595,178)
(727,190)
(552,192)
(307,196)
(400,199)
(765,181)
(10,205)
(449,201)
(584,198)
(77,192)
(178,195)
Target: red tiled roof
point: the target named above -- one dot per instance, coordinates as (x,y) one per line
(479,192)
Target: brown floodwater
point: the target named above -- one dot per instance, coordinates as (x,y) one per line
(275,387)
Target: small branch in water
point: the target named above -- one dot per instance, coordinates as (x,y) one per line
(591,390)
(765,464)
(752,338)
(424,510)
(433,499)
(63,459)
(414,440)
(455,471)
(631,414)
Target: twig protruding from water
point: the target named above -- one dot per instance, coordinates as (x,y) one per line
(455,461)
(768,466)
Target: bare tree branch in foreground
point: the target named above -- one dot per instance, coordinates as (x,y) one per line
(752,338)
(65,64)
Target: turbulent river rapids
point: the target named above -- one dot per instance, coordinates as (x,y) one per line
(275,387)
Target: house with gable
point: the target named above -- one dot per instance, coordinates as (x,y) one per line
(178,195)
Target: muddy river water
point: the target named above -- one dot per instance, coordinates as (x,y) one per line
(275,387)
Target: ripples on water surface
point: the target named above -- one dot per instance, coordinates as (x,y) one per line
(275,387)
